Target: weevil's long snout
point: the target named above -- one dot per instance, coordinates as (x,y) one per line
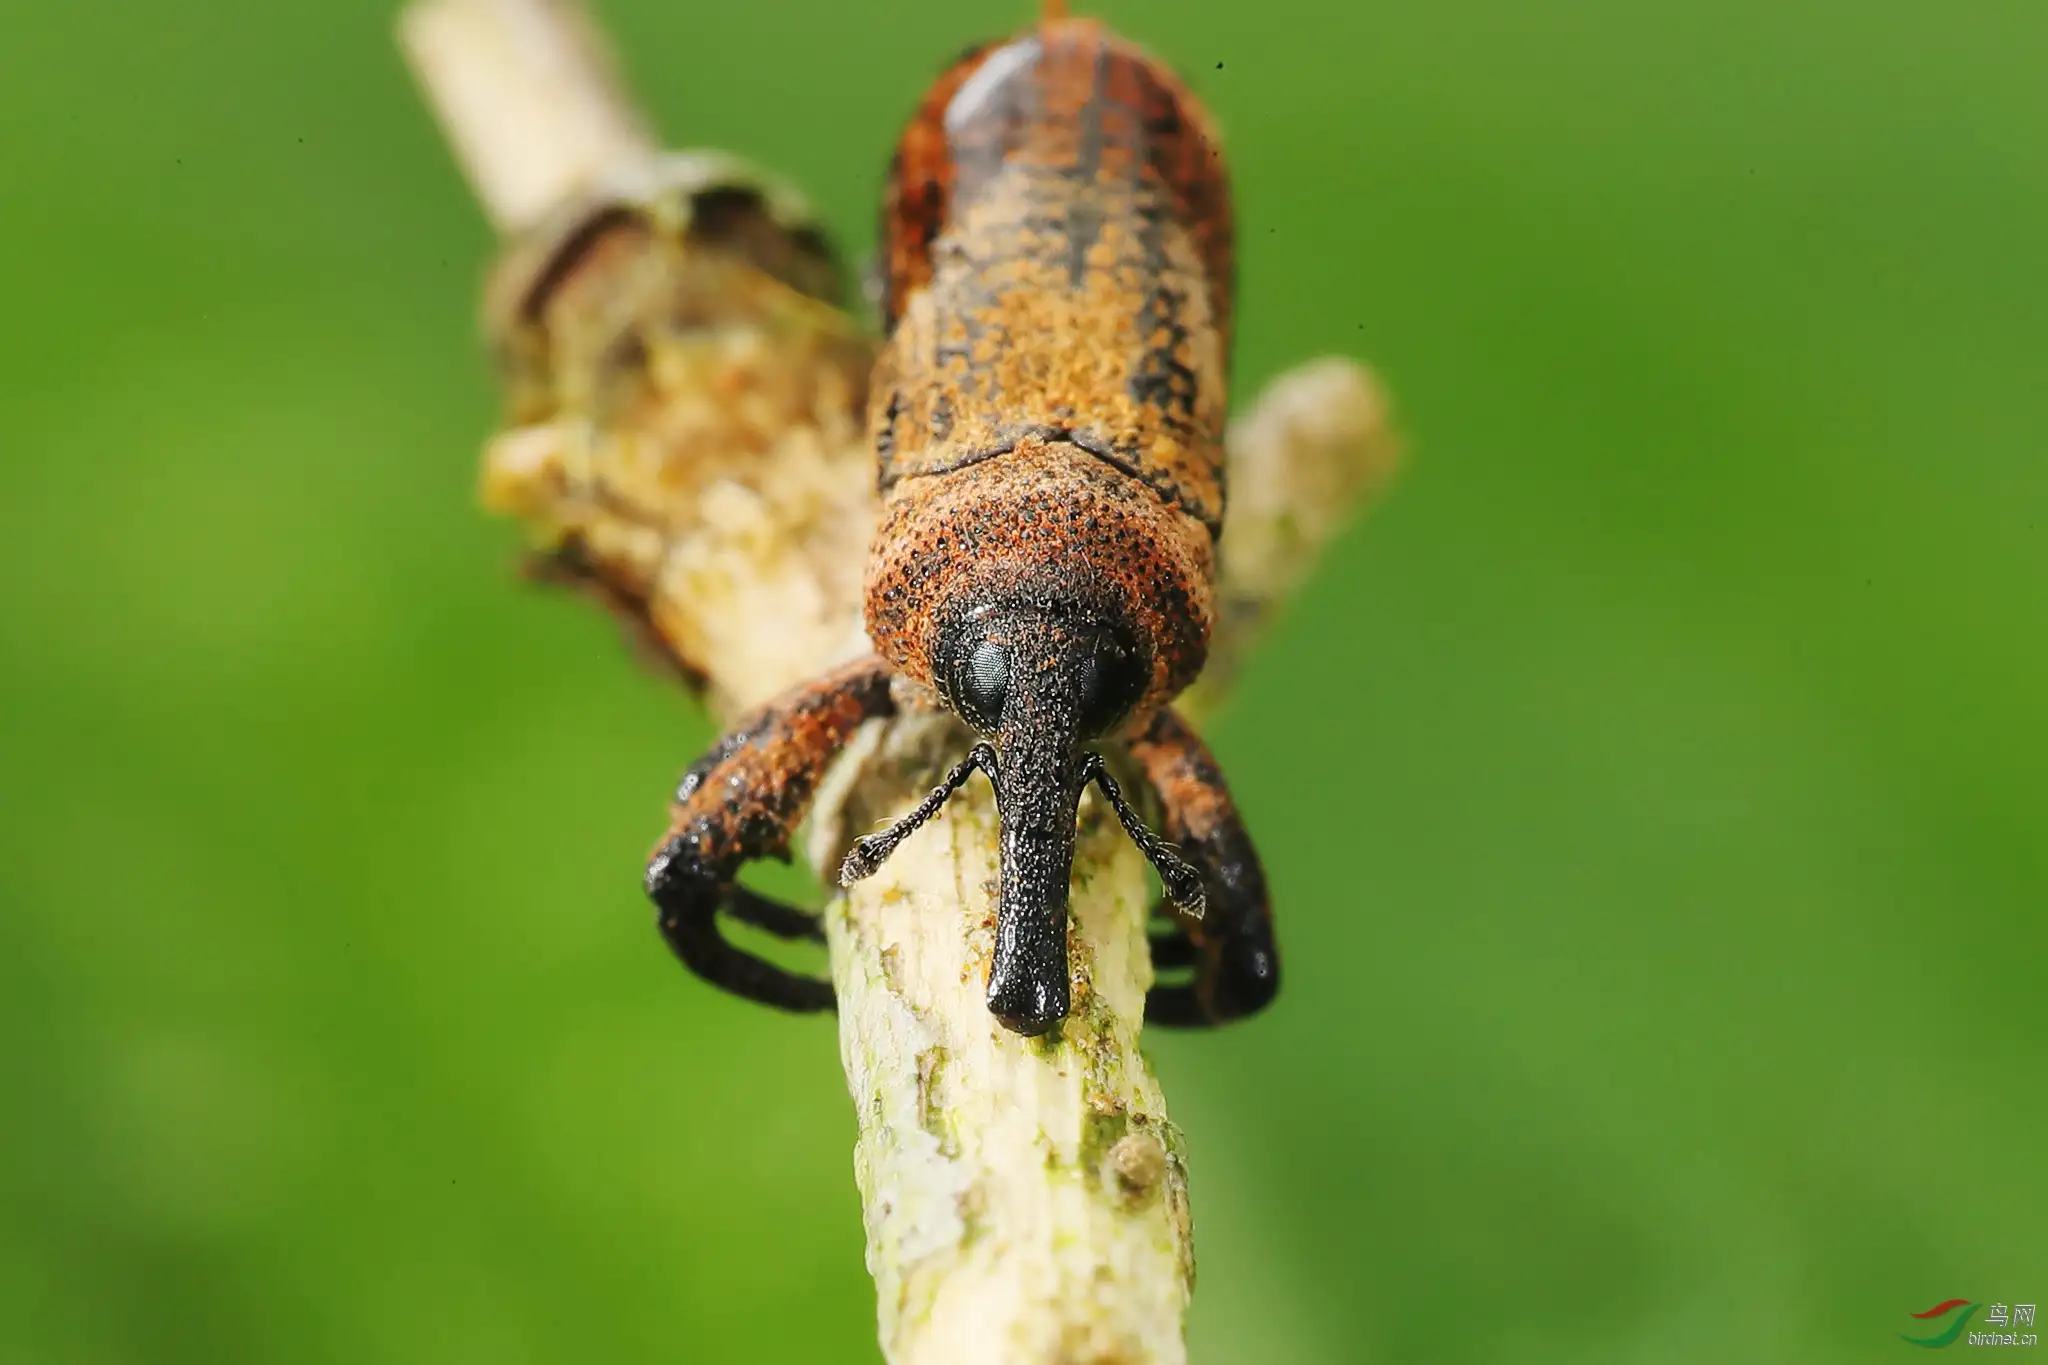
(1038,794)
(1042,682)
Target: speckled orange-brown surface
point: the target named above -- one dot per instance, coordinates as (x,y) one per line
(1048,410)
(1056,523)
(743,801)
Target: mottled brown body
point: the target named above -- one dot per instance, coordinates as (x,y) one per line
(1047,416)
(1048,409)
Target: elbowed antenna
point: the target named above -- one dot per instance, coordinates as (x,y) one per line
(1039,772)
(1182,882)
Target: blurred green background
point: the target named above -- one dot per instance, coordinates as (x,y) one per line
(1654,788)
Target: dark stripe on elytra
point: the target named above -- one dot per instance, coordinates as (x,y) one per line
(1085,216)
(1160,379)
(885,436)
(1198,190)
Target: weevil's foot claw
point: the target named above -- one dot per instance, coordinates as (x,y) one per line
(1184,887)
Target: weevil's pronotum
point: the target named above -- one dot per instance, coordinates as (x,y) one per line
(1047,412)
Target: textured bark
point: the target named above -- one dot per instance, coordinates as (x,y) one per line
(1026,1200)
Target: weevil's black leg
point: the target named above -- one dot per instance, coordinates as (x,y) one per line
(1236,961)
(740,802)
(1183,883)
(1172,947)
(869,851)
(773,917)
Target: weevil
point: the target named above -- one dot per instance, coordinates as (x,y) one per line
(1047,415)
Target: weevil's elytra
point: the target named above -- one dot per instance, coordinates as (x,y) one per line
(1047,413)
(1058,235)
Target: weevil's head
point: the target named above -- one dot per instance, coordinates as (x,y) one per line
(1045,548)
(1041,667)
(1051,601)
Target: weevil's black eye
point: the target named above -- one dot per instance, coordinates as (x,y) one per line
(1107,684)
(981,684)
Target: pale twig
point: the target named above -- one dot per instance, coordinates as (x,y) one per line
(529,98)
(1026,1201)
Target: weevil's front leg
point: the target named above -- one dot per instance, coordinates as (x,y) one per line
(1231,947)
(743,801)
